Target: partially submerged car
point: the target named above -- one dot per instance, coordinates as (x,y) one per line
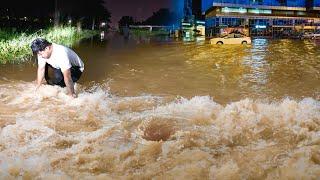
(232,38)
(310,35)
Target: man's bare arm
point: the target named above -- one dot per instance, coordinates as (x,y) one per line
(69,83)
(40,76)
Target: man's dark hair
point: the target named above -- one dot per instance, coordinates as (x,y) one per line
(39,44)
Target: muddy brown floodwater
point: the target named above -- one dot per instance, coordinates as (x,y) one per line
(167,109)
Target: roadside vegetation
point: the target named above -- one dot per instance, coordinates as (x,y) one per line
(15,47)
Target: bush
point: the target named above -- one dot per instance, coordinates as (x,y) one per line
(15,48)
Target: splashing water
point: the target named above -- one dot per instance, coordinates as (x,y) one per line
(100,135)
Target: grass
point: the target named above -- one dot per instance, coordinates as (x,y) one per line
(6,35)
(15,47)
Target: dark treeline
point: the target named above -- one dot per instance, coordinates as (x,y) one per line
(163,17)
(42,13)
(20,8)
(25,14)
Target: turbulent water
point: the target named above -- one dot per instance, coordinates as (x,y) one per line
(168,111)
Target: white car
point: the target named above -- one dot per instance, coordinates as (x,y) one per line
(310,35)
(231,39)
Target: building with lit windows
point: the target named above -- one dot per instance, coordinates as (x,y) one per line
(262,17)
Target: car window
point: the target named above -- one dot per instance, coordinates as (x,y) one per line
(238,36)
(230,36)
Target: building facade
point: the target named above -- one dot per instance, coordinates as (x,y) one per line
(262,17)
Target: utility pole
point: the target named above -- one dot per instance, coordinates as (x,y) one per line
(93,23)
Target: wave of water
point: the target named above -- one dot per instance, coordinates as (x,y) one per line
(46,134)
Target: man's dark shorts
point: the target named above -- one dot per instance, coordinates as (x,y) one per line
(54,76)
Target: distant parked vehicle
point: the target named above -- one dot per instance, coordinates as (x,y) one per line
(232,38)
(310,35)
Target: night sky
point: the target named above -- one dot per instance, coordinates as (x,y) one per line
(138,9)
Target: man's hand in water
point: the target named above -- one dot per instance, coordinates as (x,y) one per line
(40,77)
(73,95)
(37,87)
(69,83)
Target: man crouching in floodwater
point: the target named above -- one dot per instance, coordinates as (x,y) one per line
(58,64)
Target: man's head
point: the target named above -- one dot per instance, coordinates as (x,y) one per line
(41,47)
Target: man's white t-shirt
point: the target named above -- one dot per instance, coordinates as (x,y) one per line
(62,58)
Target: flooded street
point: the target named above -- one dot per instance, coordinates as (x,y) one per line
(168,110)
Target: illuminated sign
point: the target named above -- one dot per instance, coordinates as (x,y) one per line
(261,26)
(187,34)
(233,10)
(200,22)
(260,11)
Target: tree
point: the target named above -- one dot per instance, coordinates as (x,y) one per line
(89,12)
(86,12)
(56,14)
(96,12)
(126,21)
(35,13)
(31,8)
(162,17)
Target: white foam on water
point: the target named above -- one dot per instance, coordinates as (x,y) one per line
(21,166)
(51,135)
(25,133)
(196,107)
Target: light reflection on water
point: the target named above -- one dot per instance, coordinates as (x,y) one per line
(266,69)
(168,110)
